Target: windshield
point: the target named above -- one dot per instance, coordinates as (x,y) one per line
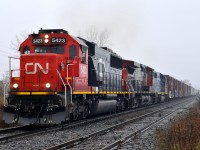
(49,49)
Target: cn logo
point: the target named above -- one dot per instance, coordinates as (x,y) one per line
(36,67)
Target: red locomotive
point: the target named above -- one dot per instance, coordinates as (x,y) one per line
(66,78)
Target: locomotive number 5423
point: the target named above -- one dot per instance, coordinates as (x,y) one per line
(58,40)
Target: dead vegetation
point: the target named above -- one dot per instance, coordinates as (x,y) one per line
(183,133)
(1,101)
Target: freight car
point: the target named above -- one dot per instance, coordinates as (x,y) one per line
(65,78)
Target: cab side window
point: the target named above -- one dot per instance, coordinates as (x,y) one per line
(26,50)
(83,52)
(72,51)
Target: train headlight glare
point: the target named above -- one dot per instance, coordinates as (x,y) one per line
(46,36)
(46,40)
(15,85)
(48,85)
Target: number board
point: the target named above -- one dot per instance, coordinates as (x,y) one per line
(58,40)
(37,41)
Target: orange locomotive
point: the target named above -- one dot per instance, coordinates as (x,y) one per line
(66,78)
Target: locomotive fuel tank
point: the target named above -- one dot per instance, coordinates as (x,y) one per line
(103,106)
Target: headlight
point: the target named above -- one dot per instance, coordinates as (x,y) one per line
(46,40)
(46,36)
(48,85)
(15,85)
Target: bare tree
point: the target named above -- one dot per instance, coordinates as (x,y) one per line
(92,34)
(101,38)
(15,44)
(5,78)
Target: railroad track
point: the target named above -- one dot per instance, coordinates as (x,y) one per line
(145,138)
(115,135)
(14,133)
(19,131)
(133,135)
(11,129)
(42,139)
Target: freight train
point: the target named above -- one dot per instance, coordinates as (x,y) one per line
(63,78)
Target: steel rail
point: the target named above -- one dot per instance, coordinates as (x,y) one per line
(134,134)
(63,126)
(11,129)
(94,134)
(73,124)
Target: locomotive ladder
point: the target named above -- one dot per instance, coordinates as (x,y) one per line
(66,104)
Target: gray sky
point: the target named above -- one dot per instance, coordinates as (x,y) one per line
(163,34)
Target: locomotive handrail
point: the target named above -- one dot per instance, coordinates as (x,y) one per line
(66,117)
(69,84)
(10,63)
(8,80)
(64,86)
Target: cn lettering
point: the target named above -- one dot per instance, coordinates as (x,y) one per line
(36,67)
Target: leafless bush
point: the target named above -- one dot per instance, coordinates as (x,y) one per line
(182,133)
(15,44)
(100,37)
(1,88)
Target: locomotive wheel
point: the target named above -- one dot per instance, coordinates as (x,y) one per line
(138,102)
(86,112)
(76,115)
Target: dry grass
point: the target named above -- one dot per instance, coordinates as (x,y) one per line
(182,134)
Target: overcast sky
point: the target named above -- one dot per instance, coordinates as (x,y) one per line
(163,34)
